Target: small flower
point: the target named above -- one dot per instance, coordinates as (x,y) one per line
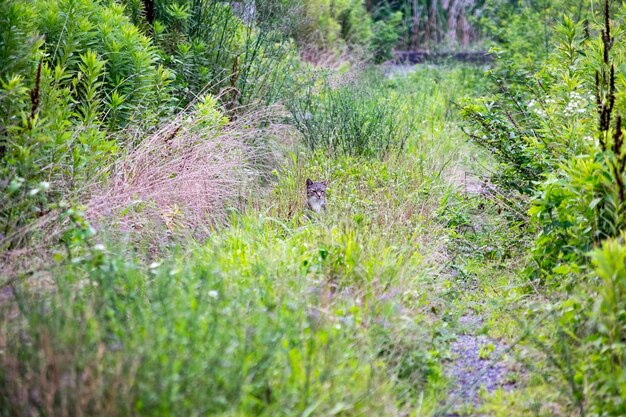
(536,108)
(154,265)
(213,294)
(576,105)
(99,247)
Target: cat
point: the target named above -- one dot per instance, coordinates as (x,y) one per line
(316,195)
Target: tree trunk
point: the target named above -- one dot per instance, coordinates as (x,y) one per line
(453,17)
(416,25)
(433,34)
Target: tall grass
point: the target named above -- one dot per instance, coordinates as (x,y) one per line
(352,118)
(268,317)
(271,315)
(191,172)
(209,47)
(201,335)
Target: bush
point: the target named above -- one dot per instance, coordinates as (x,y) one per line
(523,33)
(584,203)
(131,81)
(385,37)
(351,119)
(93,73)
(578,207)
(321,27)
(210,49)
(533,123)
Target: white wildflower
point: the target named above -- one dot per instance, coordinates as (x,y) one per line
(213,294)
(577,104)
(536,108)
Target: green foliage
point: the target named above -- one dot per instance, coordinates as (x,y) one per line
(206,338)
(19,53)
(335,25)
(604,348)
(577,206)
(351,119)
(101,81)
(133,83)
(385,37)
(96,72)
(274,314)
(533,123)
(523,33)
(583,203)
(271,316)
(209,48)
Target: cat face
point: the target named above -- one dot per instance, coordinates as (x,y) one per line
(316,194)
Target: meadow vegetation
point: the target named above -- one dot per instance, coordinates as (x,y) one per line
(157,257)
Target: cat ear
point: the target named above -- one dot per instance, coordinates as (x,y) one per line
(309,182)
(325,182)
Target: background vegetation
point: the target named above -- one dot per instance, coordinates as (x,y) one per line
(157,258)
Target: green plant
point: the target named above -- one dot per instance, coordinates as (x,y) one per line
(584,202)
(350,119)
(578,252)
(385,37)
(533,123)
(604,347)
(210,48)
(132,81)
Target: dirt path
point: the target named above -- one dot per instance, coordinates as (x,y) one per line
(479,363)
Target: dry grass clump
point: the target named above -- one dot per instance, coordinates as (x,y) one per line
(183,179)
(187,175)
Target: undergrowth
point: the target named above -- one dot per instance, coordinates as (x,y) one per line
(273,314)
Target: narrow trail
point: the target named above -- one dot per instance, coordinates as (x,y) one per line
(479,363)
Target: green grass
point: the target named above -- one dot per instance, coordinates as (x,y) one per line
(275,314)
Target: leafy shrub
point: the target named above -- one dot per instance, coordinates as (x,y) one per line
(19,53)
(584,202)
(321,27)
(579,209)
(523,33)
(604,350)
(350,119)
(94,71)
(210,49)
(533,123)
(132,82)
(385,37)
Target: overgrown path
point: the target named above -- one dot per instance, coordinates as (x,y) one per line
(372,308)
(479,363)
